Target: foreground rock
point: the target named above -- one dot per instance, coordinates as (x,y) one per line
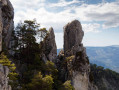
(49,47)
(6,22)
(6,28)
(4,71)
(78,67)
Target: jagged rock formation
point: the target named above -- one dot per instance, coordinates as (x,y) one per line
(73,36)
(6,27)
(6,22)
(76,67)
(49,47)
(4,71)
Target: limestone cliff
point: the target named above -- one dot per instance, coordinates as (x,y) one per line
(6,22)
(4,71)
(77,66)
(49,47)
(6,27)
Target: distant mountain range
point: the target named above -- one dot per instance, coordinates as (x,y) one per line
(108,56)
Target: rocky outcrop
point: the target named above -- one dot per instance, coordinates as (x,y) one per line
(73,36)
(6,27)
(78,67)
(4,71)
(6,22)
(49,47)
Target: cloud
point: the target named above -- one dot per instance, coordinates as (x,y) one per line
(27,4)
(114,22)
(93,17)
(59,39)
(63,3)
(107,13)
(91,27)
(46,19)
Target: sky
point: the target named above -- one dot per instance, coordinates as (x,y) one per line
(99,18)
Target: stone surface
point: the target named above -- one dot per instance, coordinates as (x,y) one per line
(49,47)
(6,22)
(78,66)
(1,28)
(4,71)
(80,82)
(73,35)
(6,27)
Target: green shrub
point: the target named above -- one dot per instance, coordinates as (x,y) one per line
(67,86)
(41,83)
(50,68)
(12,74)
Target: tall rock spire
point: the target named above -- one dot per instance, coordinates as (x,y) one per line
(73,35)
(78,66)
(49,47)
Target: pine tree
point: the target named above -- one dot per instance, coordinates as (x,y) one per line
(26,45)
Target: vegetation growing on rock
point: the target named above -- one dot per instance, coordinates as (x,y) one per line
(34,72)
(13,76)
(41,83)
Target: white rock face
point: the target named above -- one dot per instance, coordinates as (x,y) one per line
(80,82)
(6,22)
(4,71)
